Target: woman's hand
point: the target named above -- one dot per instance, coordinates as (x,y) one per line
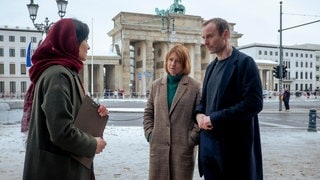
(101,144)
(103,111)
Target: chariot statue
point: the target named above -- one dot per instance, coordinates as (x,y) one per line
(174,8)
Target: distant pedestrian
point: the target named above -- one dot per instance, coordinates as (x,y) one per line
(286,98)
(169,122)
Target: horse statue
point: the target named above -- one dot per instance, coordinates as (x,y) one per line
(177,8)
(161,12)
(174,8)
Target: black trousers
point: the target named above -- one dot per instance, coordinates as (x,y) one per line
(286,104)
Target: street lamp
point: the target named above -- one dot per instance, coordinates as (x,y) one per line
(283,69)
(44,27)
(280,61)
(166,19)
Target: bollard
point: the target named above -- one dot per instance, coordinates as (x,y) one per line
(312,127)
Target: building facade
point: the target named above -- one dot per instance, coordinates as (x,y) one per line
(302,62)
(14,41)
(14,74)
(143,40)
(140,43)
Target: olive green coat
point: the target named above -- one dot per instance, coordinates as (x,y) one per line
(174,134)
(52,137)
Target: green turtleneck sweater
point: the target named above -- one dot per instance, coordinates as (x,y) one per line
(173,82)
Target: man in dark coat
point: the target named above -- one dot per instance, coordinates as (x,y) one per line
(227,114)
(286,98)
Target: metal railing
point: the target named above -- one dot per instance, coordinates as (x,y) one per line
(100,95)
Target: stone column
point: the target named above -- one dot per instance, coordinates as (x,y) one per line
(86,77)
(263,84)
(195,60)
(99,80)
(149,64)
(125,65)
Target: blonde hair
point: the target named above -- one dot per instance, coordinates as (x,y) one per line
(183,55)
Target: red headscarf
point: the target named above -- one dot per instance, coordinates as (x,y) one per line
(60,47)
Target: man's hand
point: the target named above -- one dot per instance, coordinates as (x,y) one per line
(204,122)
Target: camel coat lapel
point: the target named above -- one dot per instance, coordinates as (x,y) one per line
(182,87)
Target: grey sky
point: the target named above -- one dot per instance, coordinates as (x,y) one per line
(257,20)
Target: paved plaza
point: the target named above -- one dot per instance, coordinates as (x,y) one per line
(288,153)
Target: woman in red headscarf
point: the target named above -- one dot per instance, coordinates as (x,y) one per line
(52,103)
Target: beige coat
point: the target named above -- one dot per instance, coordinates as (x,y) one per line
(174,134)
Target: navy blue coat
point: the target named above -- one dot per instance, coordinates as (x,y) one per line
(235,118)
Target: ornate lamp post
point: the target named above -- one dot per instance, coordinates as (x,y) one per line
(175,8)
(44,27)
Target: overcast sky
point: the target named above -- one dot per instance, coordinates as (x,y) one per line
(257,20)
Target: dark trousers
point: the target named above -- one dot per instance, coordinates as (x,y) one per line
(286,104)
(210,157)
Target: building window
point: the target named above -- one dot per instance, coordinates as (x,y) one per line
(311,75)
(2,87)
(291,54)
(138,64)
(297,64)
(306,75)
(310,64)
(297,55)
(2,69)
(12,69)
(287,54)
(34,39)
(23,69)
(301,75)
(22,39)
(1,52)
(306,55)
(13,87)
(310,56)
(12,52)
(11,38)
(1,37)
(306,64)
(301,64)
(260,52)
(297,76)
(23,86)
(265,53)
(276,53)
(301,55)
(270,53)
(23,52)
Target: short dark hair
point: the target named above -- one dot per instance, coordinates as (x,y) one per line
(82,30)
(220,23)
